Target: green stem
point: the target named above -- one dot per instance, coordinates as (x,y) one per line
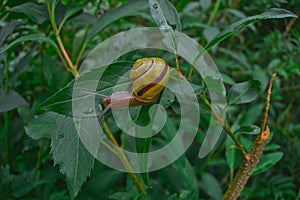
(6,123)
(6,117)
(63,54)
(124,160)
(51,16)
(6,74)
(38,161)
(81,52)
(225,127)
(214,12)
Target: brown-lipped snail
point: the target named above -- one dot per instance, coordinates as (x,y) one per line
(149,76)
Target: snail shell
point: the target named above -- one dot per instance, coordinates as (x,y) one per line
(149,76)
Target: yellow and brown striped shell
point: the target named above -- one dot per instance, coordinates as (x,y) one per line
(149,76)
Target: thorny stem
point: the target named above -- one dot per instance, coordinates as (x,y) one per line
(241,178)
(225,127)
(124,159)
(264,122)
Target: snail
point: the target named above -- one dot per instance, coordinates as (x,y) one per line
(148,76)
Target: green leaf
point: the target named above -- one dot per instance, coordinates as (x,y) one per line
(243,92)
(251,115)
(8,29)
(54,76)
(248,129)
(267,161)
(210,32)
(272,147)
(42,126)
(10,100)
(273,13)
(166,18)
(189,21)
(102,181)
(70,11)
(187,195)
(61,101)
(5,178)
(233,156)
(165,14)
(21,65)
(54,3)
(83,18)
(37,13)
(182,165)
(211,186)
(183,195)
(130,8)
(214,85)
(240,58)
(22,184)
(68,152)
(74,161)
(124,196)
(143,144)
(32,37)
(227,79)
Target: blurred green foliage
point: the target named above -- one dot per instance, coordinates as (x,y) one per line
(31,72)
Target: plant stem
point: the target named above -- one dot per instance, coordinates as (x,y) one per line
(64,56)
(83,46)
(177,67)
(226,128)
(6,117)
(6,74)
(124,160)
(241,178)
(264,122)
(214,12)
(38,160)
(6,123)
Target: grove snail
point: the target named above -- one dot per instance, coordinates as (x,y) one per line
(148,76)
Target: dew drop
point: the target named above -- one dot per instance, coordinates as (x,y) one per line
(155,6)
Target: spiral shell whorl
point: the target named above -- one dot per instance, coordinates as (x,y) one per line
(149,77)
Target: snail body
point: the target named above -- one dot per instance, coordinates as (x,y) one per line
(148,76)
